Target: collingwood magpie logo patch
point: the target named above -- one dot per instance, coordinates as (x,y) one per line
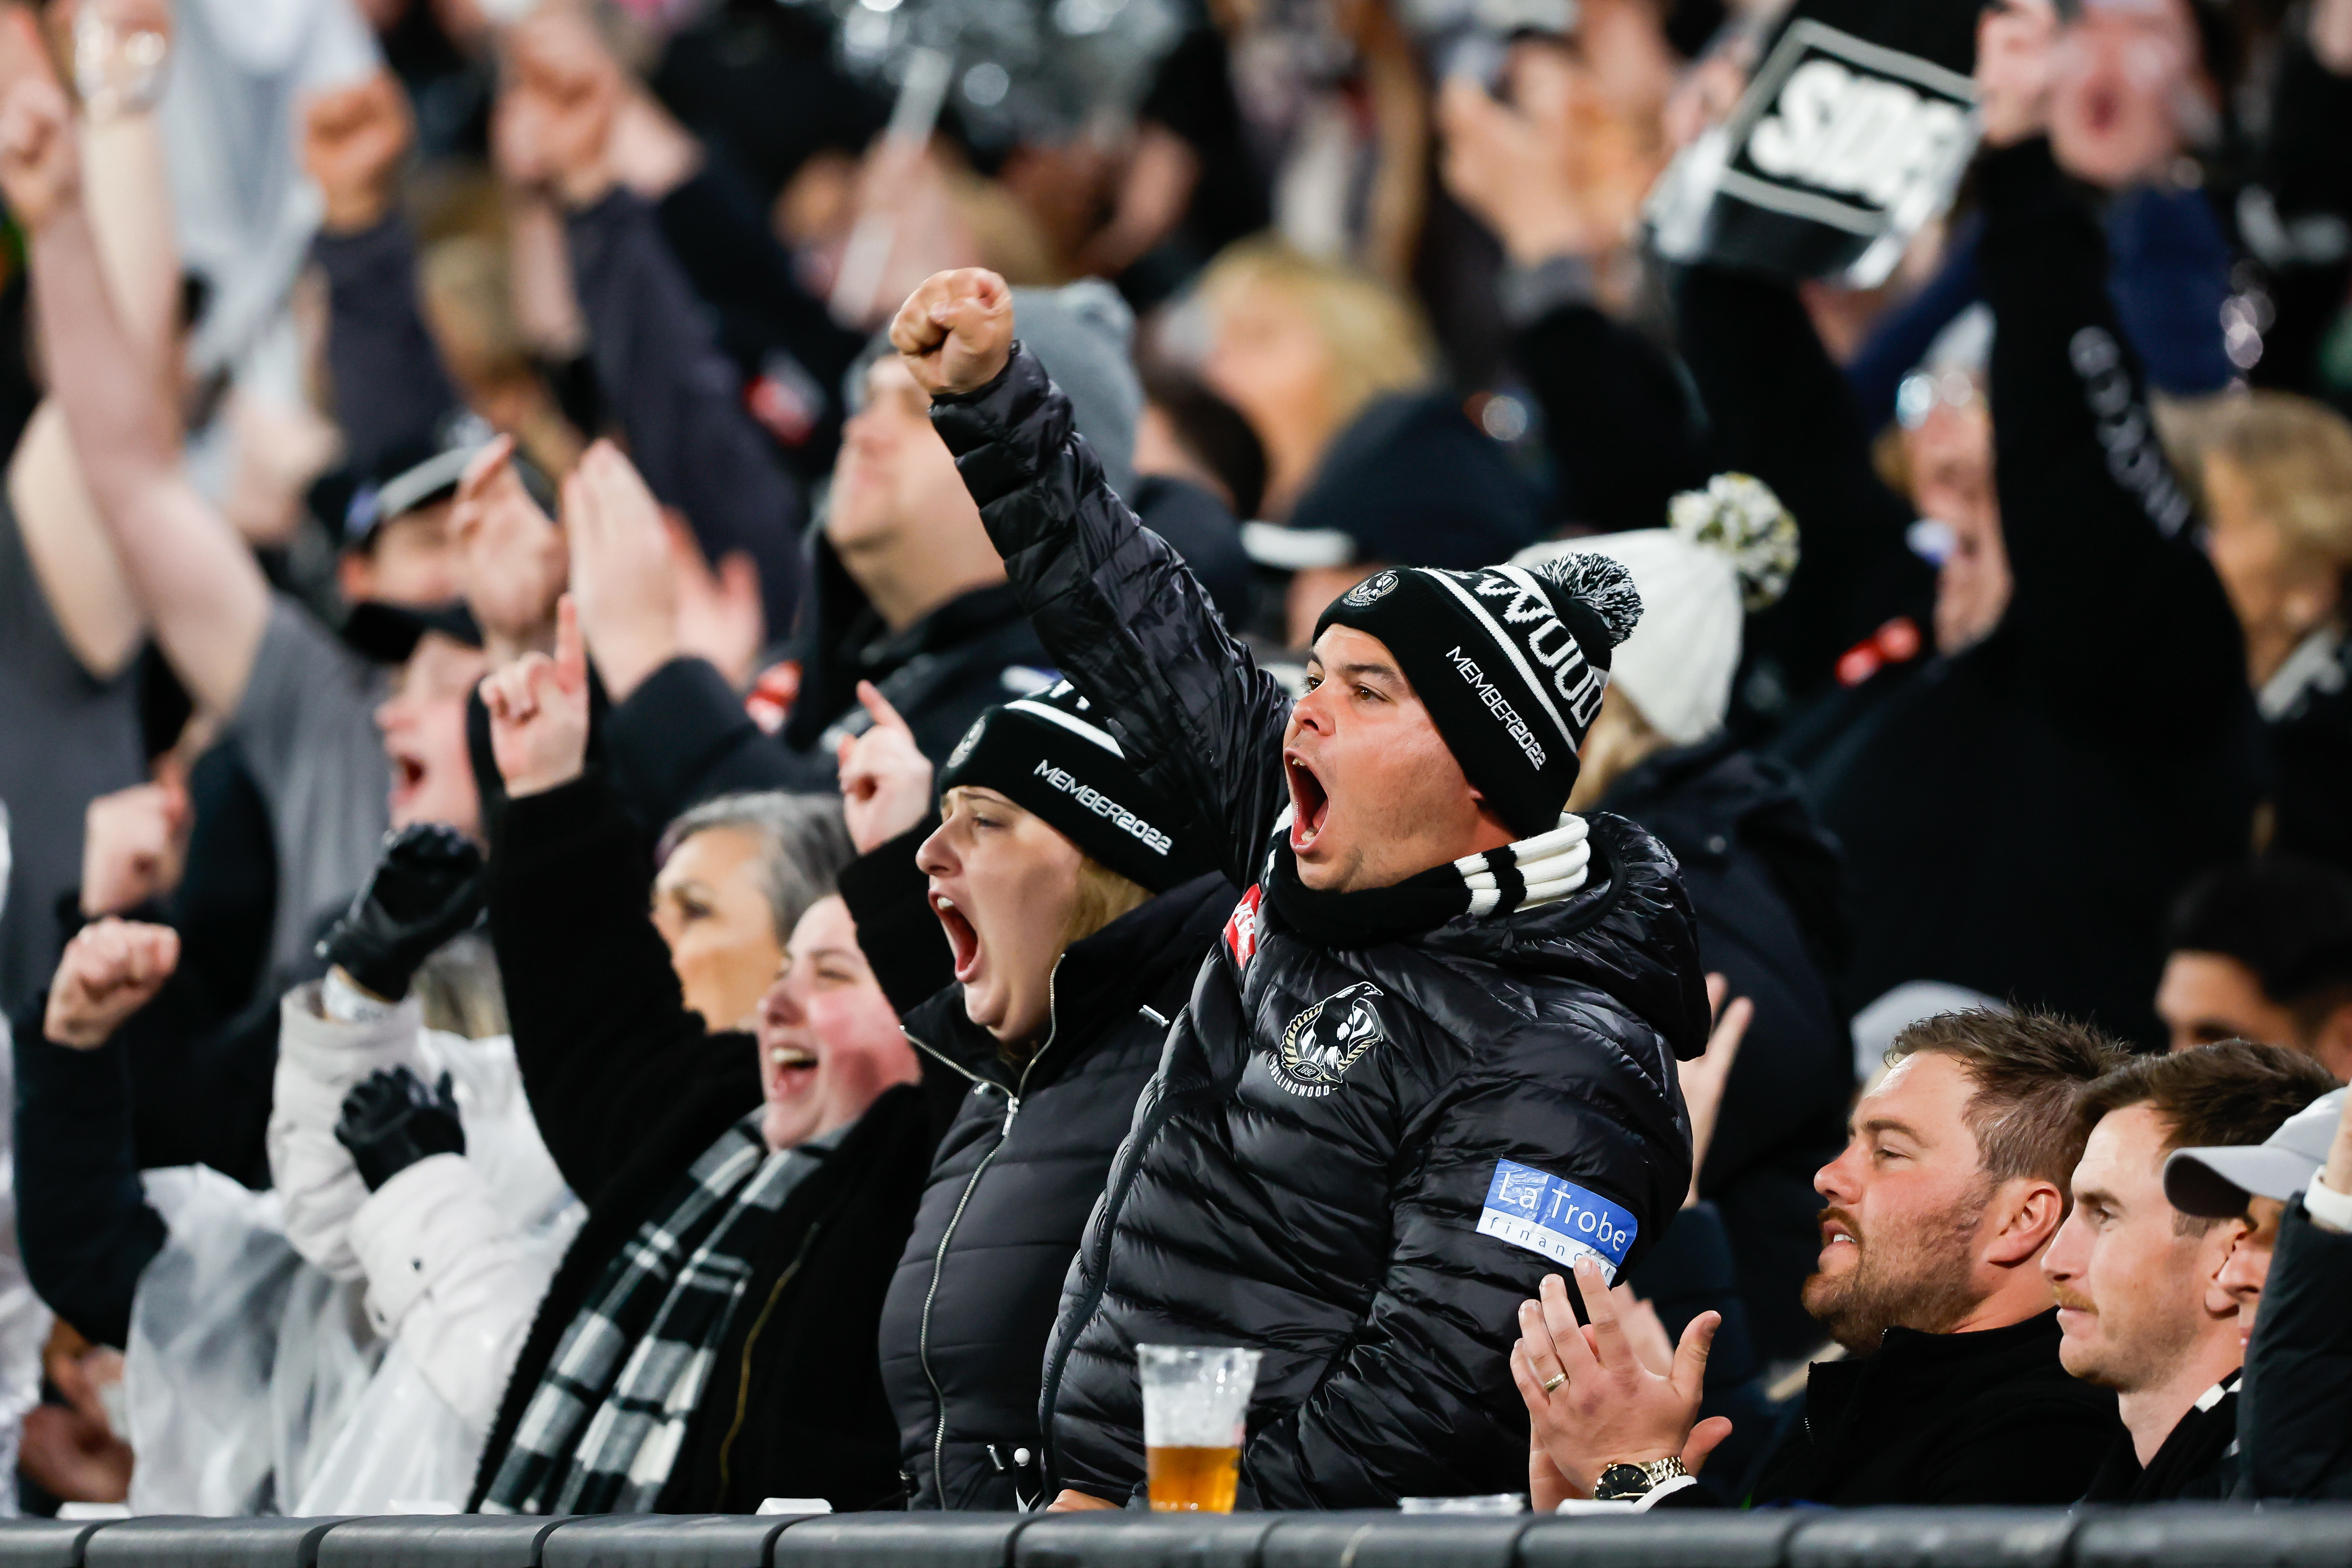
(1371,590)
(1322,1042)
(970,738)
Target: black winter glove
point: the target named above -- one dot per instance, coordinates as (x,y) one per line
(391,1121)
(427,889)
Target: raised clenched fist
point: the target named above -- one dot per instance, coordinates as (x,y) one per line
(955,332)
(354,139)
(41,167)
(109,972)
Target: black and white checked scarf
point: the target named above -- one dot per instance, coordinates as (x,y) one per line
(604,1426)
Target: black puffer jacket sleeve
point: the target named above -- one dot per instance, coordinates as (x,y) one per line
(2116,609)
(82,1218)
(1780,409)
(2294,1408)
(1120,613)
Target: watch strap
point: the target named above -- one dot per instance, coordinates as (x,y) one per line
(1656,1473)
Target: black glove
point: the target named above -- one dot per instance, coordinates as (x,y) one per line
(427,889)
(391,1121)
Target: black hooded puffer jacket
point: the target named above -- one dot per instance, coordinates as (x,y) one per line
(1343,1229)
(964,1327)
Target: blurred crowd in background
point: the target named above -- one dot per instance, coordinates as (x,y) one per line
(1988,483)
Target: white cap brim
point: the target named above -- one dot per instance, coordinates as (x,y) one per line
(2214,1183)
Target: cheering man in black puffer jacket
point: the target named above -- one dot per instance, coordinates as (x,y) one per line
(1431,1059)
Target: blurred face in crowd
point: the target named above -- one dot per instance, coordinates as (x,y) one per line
(1375,795)
(1268,359)
(2248,1268)
(711,905)
(2281,594)
(894,482)
(2137,1282)
(412,561)
(829,1041)
(1005,888)
(1909,1208)
(2128,89)
(2205,997)
(1949,452)
(423,727)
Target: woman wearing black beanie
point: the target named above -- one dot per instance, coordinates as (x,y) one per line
(1077,909)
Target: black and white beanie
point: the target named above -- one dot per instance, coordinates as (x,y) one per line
(1511,662)
(1048,755)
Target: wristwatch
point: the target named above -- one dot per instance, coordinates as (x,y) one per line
(1624,1482)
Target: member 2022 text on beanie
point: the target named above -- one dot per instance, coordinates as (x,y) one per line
(1511,662)
(1049,757)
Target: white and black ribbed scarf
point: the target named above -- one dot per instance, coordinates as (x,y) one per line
(1520,875)
(603,1428)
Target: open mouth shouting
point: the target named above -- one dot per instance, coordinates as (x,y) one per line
(1310,803)
(963,939)
(789,1067)
(409,775)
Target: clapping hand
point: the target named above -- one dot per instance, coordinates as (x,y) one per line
(1705,1075)
(511,559)
(623,574)
(885,780)
(1592,1404)
(134,843)
(391,1121)
(556,110)
(1519,167)
(425,889)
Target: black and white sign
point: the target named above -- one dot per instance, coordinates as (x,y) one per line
(1843,147)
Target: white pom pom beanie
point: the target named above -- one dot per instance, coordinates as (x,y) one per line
(1729,549)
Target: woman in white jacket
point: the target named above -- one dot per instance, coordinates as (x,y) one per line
(332,1346)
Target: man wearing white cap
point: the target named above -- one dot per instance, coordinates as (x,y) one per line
(2294,1191)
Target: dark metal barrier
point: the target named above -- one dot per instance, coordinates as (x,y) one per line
(2184,1536)
(438,1541)
(2187,1536)
(44,1543)
(1668,1539)
(168,1542)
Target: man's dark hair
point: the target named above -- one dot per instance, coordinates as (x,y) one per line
(2289,921)
(2218,1096)
(1213,431)
(2030,1071)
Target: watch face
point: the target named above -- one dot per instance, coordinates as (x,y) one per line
(1621,1481)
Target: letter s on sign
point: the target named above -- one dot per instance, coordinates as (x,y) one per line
(1788,143)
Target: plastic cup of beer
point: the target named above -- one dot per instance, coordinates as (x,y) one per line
(1195,1404)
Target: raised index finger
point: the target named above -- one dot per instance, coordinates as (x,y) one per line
(482,470)
(884,715)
